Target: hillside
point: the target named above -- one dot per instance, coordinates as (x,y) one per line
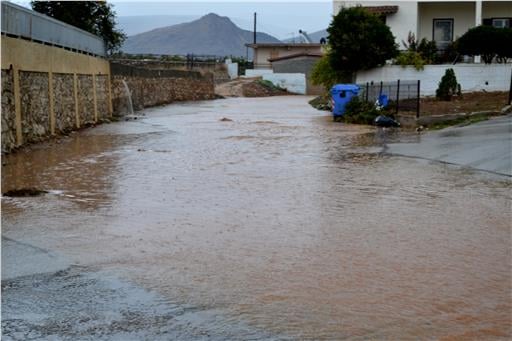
(209,35)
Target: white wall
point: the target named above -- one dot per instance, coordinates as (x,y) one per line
(293,82)
(400,23)
(232,69)
(257,72)
(472,77)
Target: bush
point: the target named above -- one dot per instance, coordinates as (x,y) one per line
(417,53)
(448,86)
(411,58)
(486,41)
(358,111)
(324,74)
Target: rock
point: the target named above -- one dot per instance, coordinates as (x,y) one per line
(24,192)
(225,119)
(384,121)
(420,129)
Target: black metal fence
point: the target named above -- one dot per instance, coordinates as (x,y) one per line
(402,96)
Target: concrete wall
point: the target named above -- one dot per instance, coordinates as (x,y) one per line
(303,65)
(293,82)
(157,87)
(462,13)
(472,77)
(48,90)
(264,53)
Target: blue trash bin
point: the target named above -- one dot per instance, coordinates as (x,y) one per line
(341,94)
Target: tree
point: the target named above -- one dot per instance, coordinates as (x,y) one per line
(323,73)
(359,40)
(96,17)
(486,41)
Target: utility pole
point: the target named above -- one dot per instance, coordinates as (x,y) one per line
(254,33)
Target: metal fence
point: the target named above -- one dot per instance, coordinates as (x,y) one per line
(21,22)
(403,96)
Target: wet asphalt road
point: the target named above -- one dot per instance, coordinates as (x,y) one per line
(279,224)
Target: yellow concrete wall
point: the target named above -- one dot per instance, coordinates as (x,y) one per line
(28,56)
(21,55)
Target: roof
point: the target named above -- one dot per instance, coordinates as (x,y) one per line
(382,10)
(283,45)
(296,55)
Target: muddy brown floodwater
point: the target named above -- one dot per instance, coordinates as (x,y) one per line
(279,219)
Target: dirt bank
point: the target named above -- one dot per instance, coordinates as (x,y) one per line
(249,87)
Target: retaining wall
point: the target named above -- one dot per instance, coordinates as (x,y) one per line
(157,87)
(472,77)
(48,90)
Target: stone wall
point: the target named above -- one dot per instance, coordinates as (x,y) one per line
(35,119)
(47,90)
(102,96)
(157,87)
(64,107)
(85,100)
(8,111)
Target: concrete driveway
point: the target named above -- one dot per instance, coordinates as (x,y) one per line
(485,146)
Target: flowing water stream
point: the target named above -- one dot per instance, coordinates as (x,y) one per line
(280,222)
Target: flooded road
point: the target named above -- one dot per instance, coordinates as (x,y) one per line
(279,224)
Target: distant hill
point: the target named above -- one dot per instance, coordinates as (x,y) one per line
(136,24)
(208,35)
(315,37)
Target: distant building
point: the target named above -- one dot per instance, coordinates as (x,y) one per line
(299,63)
(264,52)
(442,21)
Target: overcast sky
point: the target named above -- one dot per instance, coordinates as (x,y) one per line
(278,18)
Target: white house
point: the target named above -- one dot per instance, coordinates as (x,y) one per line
(442,21)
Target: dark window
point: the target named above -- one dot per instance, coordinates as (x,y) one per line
(442,32)
(497,22)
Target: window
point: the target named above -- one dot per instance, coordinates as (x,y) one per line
(500,23)
(442,32)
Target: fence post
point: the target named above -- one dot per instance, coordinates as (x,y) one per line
(380,88)
(510,90)
(367,89)
(418,100)
(397,94)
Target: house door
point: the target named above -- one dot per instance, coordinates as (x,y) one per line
(442,32)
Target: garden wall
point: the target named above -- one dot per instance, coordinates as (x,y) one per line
(472,77)
(156,87)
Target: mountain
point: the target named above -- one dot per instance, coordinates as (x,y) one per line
(315,37)
(208,35)
(136,24)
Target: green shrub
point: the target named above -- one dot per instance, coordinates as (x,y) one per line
(448,86)
(411,58)
(358,111)
(324,74)
(428,50)
(486,41)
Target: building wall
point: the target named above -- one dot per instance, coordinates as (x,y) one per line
(463,14)
(496,9)
(49,90)
(400,23)
(472,77)
(262,54)
(292,82)
(157,87)
(303,65)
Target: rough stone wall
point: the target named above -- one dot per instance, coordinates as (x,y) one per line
(102,96)
(157,87)
(85,99)
(64,105)
(8,112)
(35,118)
